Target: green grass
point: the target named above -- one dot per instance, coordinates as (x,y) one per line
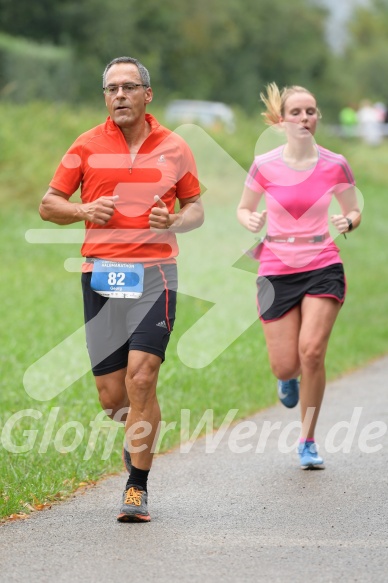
(41,305)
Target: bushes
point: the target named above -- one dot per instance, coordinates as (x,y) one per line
(29,71)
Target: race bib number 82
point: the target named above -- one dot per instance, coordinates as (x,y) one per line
(117,280)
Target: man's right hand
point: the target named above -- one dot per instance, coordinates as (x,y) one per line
(57,208)
(101,210)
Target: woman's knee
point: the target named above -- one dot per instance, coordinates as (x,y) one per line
(286,370)
(312,356)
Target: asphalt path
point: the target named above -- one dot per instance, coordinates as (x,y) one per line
(232,515)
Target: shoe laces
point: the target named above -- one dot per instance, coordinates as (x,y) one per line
(288,387)
(133,496)
(310,447)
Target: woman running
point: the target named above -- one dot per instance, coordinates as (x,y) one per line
(301,282)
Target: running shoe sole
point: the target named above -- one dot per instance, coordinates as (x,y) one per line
(313,467)
(123,517)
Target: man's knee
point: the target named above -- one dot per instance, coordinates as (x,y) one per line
(141,379)
(113,396)
(140,384)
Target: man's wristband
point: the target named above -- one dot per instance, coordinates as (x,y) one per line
(350,224)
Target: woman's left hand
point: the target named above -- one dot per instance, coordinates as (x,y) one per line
(340,222)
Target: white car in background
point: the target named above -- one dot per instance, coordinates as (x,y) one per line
(210,114)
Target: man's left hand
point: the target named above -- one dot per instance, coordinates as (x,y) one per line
(160,217)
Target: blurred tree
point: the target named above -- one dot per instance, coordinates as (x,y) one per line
(208,49)
(40,21)
(224,50)
(278,41)
(365,62)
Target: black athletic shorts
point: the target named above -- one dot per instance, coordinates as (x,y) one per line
(116,325)
(278,294)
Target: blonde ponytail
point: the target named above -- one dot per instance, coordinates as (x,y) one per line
(275,101)
(273,104)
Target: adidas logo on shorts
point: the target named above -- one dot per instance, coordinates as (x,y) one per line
(162,324)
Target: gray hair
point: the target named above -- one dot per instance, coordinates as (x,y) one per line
(144,74)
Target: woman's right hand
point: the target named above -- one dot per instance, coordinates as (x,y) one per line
(256,221)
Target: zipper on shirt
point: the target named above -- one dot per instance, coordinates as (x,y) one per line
(133,162)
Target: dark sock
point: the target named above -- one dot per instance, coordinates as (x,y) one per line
(138,478)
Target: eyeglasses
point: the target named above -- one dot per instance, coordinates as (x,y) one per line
(126,87)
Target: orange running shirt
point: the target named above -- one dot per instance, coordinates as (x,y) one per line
(100,163)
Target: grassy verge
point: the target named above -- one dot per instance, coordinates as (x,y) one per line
(56,445)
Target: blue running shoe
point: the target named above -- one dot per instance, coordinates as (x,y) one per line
(288,392)
(308,455)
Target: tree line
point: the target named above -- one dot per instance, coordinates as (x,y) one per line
(223,50)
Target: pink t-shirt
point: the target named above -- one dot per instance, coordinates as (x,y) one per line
(298,204)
